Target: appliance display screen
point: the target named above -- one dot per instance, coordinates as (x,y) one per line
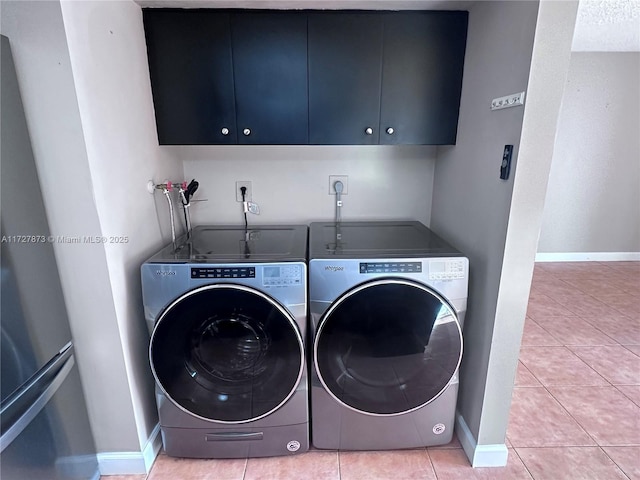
(391,267)
(224,272)
(271,272)
(281,275)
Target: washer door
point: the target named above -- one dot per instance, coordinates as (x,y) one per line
(387,347)
(227,353)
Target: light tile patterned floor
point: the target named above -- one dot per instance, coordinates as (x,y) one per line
(576,406)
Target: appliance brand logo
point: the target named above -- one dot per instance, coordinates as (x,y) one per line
(333,268)
(162,273)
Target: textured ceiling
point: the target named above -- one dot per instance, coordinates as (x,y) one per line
(607,26)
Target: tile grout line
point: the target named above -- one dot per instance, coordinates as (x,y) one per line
(614,462)
(522,461)
(527,369)
(563,385)
(433,467)
(626,347)
(571,416)
(589,366)
(580,317)
(246,466)
(624,394)
(605,333)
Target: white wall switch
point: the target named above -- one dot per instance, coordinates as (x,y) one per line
(512,100)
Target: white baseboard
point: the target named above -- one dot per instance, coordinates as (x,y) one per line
(152,448)
(131,463)
(480,455)
(588,257)
(121,463)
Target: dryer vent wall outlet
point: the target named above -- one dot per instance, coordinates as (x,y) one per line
(338,178)
(248,195)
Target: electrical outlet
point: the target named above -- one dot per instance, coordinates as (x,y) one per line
(512,100)
(335,178)
(239,185)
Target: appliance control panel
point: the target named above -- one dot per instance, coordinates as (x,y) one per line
(281,275)
(224,272)
(391,267)
(446,269)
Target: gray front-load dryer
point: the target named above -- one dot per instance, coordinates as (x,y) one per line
(227,311)
(387,303)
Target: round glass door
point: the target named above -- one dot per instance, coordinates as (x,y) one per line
(227,353)
(388,347)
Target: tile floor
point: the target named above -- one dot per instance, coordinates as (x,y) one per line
(576,405)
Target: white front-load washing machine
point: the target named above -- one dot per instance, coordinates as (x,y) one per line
(387,303)
(227,311)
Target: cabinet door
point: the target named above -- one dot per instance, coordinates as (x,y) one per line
(270,69)
(191,76)
(422,77)
(345,64)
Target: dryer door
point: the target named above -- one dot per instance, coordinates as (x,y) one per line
(387,347)
(227,353)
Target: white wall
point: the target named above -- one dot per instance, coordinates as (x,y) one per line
(108,56)
(116,112)
(592,208)
(547,77)
(40,50)
(470,203)
(291,183)
(85,83)
(495,222)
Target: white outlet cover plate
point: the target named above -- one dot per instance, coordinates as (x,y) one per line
(345,183)
(513,100)
(243,183)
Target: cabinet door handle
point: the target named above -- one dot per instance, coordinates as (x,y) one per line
(368,131)
(224,131)
(247,132)
(390,131)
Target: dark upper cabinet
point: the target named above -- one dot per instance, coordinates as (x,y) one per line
(345,66)
(222,77)
(385,77)
(191,72)
(306,77)
(270,68)
(422,77)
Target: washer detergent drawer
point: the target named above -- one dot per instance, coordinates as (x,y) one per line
(236,442)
